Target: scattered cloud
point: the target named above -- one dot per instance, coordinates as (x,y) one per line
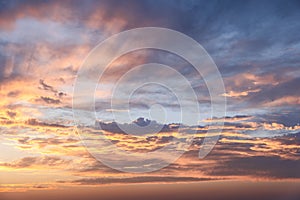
(28,162)
(257,54)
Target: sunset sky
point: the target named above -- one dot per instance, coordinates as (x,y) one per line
(254,44)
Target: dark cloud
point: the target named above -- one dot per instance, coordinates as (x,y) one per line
(291,140)
(230,118)
(50,100)
(269,158)
(11,114)
(272,93)
(286,115)
(139,126)
(46,86)
(13,93)
(237,117)
(141,179)
(41,186)
(36,122)
(260,166)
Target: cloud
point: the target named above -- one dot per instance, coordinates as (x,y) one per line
(141,179)
(28,162)
(234,156)
(49,100)
(46,86)
(80,25)
(43,142)
(276,93)
(11,114)
(35,122)
(259,166)
(257,54)
(239,94)
(241,158)
(236,118)
(140,125)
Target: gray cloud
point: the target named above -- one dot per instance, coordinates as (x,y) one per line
(49,100)
(272,93)
(25,162)
(36,122)
(287,115)
(141,179)
(259,166)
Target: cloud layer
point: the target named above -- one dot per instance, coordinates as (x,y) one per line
(256,46)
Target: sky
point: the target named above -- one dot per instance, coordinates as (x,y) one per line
(255,46)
